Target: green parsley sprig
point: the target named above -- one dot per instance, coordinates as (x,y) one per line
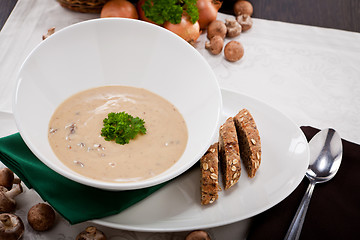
(122,127)
(160,11)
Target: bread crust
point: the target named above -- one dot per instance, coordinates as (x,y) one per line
(229,154)
(249,141)
(209,183)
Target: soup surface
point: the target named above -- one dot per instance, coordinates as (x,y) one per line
(75,134)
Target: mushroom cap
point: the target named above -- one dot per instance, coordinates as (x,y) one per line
(7,204)
(245,21)
(6,178)
(11,227)
(233,51)
(216,27)
(91,233)
(198,235)
(41,217)
(233,28)
(215,45)
(243,7)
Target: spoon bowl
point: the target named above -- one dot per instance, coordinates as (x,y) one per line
(325,156)
(325,159)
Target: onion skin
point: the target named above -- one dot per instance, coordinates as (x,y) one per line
(185,29)
(208,10)
(119,8)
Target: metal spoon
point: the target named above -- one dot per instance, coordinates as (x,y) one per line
(325,158)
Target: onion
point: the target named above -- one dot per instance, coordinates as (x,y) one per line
(208,10)
(119,8)
(185,29)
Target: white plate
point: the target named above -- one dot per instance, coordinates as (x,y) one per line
(176,207)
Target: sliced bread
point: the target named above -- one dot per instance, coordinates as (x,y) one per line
(229,154)
(249,141)
(209,182)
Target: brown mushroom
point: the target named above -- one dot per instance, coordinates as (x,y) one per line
(233,51)
(233,28)
(215,45)
(7,178)
(245,21)
(7,198)
(198,235)
(243,7)
(11,227)
(91,233)
(41,217)
(216,28)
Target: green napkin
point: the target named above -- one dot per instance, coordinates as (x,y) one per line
(74,201)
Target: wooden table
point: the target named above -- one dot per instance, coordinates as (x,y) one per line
(344,14)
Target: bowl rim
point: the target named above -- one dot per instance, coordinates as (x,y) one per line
(113,186)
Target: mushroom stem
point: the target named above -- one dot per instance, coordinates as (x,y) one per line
(91,233)
(215,45)
(91,230)
(17,180)
(6,220)
(14,191)
(233,28)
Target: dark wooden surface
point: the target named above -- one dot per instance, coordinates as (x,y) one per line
(339,14)
(6,6)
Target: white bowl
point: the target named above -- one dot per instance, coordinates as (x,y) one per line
(116,51)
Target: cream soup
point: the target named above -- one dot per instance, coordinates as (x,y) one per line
(75,134)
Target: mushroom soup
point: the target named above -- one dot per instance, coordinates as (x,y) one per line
(75,134)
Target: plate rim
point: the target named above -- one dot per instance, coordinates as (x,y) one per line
(224,92)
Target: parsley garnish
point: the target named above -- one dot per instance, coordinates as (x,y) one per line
(160,11)
(122,127)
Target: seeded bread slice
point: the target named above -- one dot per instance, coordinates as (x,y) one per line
(229,153)
(209,175)
(249,141)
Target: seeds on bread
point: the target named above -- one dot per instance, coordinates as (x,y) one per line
(209,175)
(229,153)
(238,136)
(249,141)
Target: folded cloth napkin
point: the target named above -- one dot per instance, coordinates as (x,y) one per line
(74,201)
(334,210)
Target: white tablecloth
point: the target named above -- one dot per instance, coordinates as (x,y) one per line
(311,74)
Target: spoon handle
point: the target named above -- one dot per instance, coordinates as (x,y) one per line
(297,223)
